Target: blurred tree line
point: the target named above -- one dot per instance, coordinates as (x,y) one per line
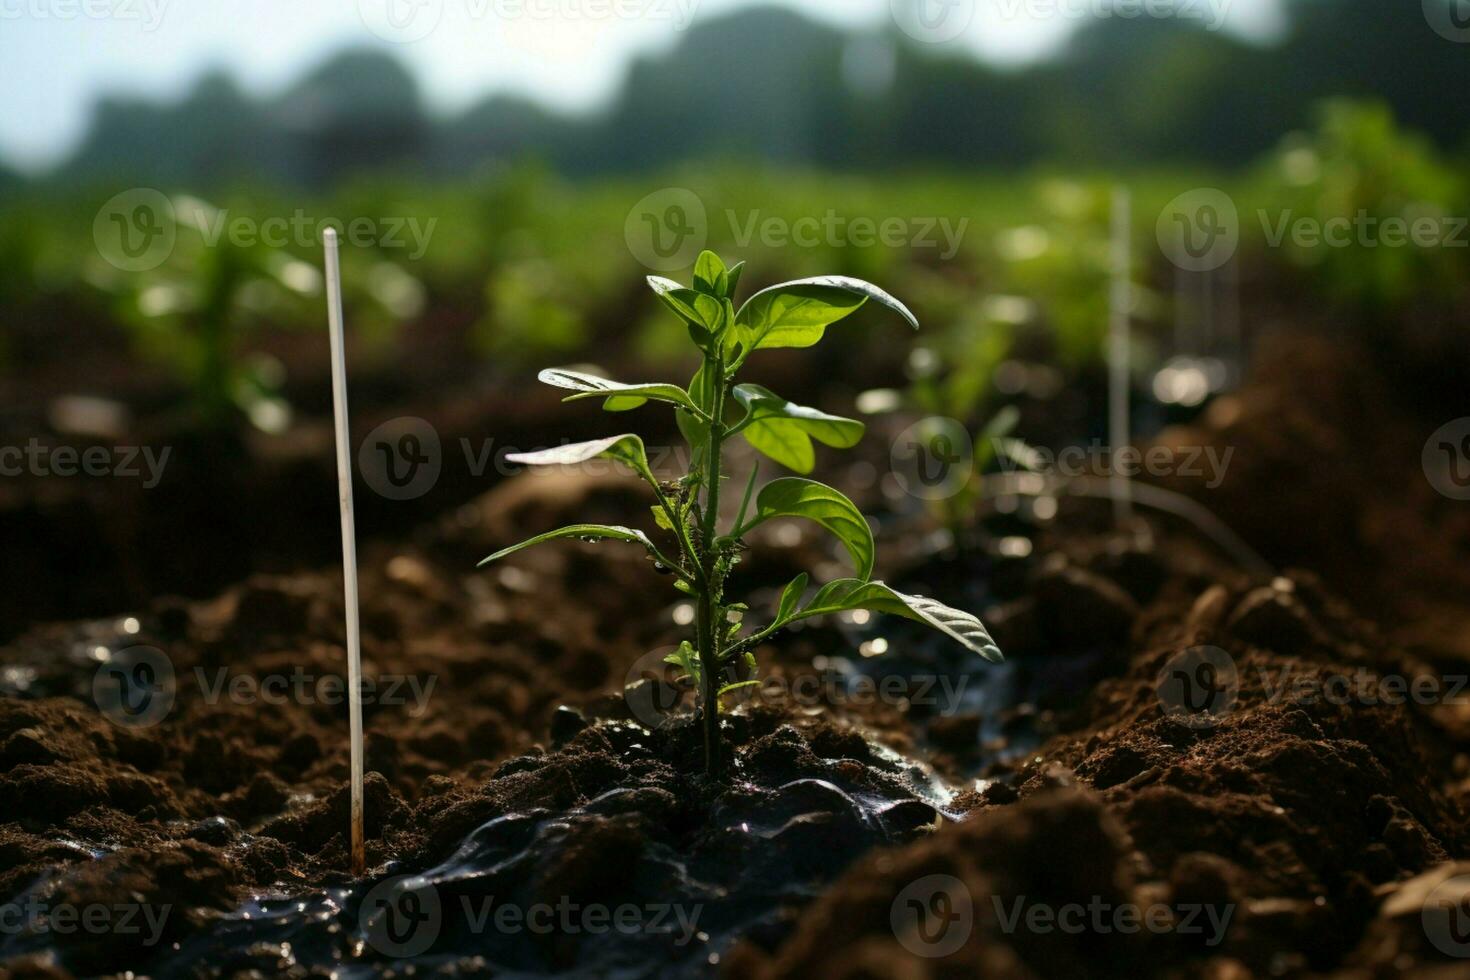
(768,82)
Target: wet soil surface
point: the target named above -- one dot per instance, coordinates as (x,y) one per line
(1182,770)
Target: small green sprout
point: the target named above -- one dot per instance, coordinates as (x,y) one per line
(711,411)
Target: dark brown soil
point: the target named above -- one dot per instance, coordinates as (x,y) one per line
(1312,830)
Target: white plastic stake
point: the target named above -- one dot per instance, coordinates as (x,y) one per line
(1231,352)
(349,540)
(1119,351)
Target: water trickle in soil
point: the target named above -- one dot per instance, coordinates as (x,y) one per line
(666,870)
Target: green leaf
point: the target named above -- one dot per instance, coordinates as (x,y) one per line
(626,449)
(851,593)
(784,430)
(735,687)
(1013,453)
(695,432)
(680,299)
(791,597)
(703,314)
(998,428)
(685,659)
(736,271)
(587,532)
(625,396)
(812,501)
(796,314)
(710,275)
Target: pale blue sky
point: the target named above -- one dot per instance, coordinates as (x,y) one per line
(58,55)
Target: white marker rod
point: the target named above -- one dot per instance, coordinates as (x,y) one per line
(349,539)
(1119,350)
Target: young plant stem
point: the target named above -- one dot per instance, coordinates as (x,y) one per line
(709,627)
(709,677)
(689,507)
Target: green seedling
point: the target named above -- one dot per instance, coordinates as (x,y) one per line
(702,550)
(201,311)
(192,313)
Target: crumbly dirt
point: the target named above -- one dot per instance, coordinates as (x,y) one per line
(1312,828)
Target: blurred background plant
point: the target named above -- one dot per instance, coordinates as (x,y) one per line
(1358,168)
(526,205)
(192,312)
